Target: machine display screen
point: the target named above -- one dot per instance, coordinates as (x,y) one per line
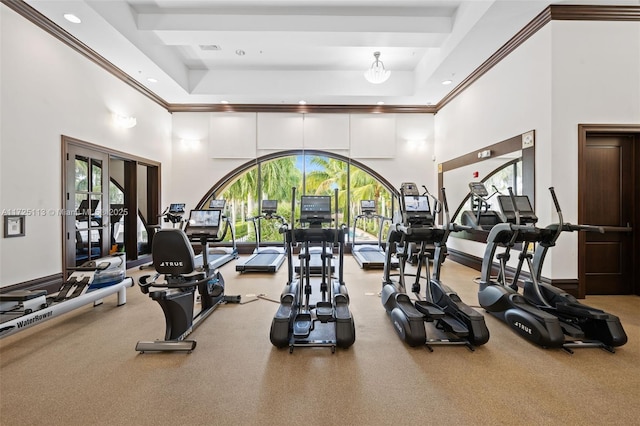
(269,206)
(315,206)
(368,206)
(478,189)
(522,203)
(217,204)
(204,219)
(176,208)
(417,204)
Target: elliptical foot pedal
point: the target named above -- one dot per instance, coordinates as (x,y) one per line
(572,330)
(430,310)
(324,311)
(302,326)
(454,326)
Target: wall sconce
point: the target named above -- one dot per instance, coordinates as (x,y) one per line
(416,145)
(124,122)
(190,143)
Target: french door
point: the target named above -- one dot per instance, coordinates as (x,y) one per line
(86,205)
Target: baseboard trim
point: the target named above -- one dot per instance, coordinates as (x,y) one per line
(474,262)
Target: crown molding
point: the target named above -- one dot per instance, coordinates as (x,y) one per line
(552,12)
(304,109)
(576,12)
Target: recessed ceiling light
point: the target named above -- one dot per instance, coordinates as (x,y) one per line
(224,102)
(152,80)
(447,82)
(210,47)
(380,102)
(240,52)
(302,102)
(72,18)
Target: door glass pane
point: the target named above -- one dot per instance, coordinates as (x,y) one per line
(96,175)
(81,174)
(87,201)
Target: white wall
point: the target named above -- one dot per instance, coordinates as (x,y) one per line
(49,90)
(568,73)
(596,80)
(197,167)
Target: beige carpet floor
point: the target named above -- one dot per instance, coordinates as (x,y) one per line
(82,369)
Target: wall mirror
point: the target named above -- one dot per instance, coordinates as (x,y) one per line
(498,166)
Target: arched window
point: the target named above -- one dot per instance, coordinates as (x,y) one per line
(272,177)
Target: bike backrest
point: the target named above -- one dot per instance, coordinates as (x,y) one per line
(172,252)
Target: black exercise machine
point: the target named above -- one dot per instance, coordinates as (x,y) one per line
(582,325)
(264,259)
(184,274)
(314,313)
(544,314)
(370,256)
(441,311)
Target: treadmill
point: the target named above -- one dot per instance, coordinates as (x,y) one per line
(264,259)
(217,255)
(316,207)
(370,256)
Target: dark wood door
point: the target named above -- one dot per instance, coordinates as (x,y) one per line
(607,196)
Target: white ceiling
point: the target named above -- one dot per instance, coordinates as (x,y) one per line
(311,50)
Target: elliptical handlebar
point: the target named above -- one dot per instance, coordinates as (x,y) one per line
(558,210)
(437,205)
(293,215)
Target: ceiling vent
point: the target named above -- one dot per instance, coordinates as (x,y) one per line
(210,47)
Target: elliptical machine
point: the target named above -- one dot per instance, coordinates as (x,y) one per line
(184,274)
(582,325)
(454,322)
(498,297)
(313,313)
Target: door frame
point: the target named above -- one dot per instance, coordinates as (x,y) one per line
(613,129)
(154,191)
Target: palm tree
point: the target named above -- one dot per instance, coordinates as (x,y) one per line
(278,177)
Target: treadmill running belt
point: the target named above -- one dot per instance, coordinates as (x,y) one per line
(263,259)
(372,256)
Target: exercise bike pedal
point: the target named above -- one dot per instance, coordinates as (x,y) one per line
(302,325)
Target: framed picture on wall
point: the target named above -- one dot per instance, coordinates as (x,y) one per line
(14,226)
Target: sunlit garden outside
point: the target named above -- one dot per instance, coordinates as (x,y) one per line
(309,174)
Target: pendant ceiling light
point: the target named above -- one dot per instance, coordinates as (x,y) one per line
(377,74)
